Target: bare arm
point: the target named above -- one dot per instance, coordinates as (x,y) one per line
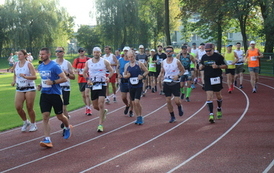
(144,68)
(109,68)
(126,73)
(70,73)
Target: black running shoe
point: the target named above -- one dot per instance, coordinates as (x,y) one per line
(172,119)
(126,110)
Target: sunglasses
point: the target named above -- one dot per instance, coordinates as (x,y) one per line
(208,50)
(59,51)
(81,51)
(168,51)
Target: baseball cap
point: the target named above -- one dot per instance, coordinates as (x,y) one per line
(202,44)
(152,50)
(126,48)
(193,43)
(141,47)
(229,45)
(208,46)
(97,49)
(184,47)
(252,42)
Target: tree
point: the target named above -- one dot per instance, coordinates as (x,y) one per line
(167,30)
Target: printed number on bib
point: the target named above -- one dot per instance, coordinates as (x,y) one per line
(81,71)
(134,80)
(253,58)
(97,86)
(151,65)
(22,82)
(142,60)
(229,62)
(186,72)
(215,80)
(44,84)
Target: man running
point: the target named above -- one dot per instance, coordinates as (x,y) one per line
(51,76)
(201,52)
(231,58)
(142,57)
(212,63)
(95,74)
(252,58)
(172,69)
(239,65)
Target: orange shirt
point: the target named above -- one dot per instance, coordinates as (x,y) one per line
(252,60)
(79,64)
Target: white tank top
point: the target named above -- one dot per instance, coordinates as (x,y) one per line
(171,69)
(240,54)
(97,71)
(111,61)
(64,67)
(20,81)
(201,53)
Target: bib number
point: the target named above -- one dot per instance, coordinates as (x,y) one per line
(142,60)
(215,80)
(186,72)
(168,80)
(134,80)
(97,86)
(152,65)
(81,71)
(44,84)
(229,62)
(253,58)
(22,82)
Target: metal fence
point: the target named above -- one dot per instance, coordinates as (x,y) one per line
(267,64)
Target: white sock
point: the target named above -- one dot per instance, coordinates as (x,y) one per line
(47,138)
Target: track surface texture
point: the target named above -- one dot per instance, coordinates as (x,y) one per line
(241,142)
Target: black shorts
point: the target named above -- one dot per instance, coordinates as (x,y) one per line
(95,94)
(82,86)
(65,96)
(239,69)
(135,93)
(215,88)
(230,71)
(47,101)
(185,78)
(171,88)
(152,74)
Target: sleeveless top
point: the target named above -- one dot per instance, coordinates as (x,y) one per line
(252,60)
(185,61)
(134,72)
(141,57)
(171,69)
(230,58)
(111,61)
(97,71)
(64,67)
(22,83)
(151,65)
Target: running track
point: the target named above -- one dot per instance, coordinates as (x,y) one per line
(241,142)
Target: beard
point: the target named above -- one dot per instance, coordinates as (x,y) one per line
(96,56)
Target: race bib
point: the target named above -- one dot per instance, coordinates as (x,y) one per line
(186,72)
(152,65)
(81,71)
(134,80)
(142,60)
(44,84)
(215,80)
(97,86)
(229,62)
(168,80)
(253,58)
(22,82)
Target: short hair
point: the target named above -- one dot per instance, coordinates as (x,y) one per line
(238,43)
(170,47)
(45,49)
(108,47)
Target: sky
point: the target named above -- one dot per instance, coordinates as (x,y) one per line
(78,8)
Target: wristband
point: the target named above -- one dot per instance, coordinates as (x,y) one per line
(53,82)
(68,75)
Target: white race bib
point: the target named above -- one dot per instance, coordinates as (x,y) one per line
(134,80)
(97,86)
(215,80)
(168,80)
(142,60)
(229,62)
(22,82)
(44,84)
(152,65)
(186,72)
(253,58)
(81,71)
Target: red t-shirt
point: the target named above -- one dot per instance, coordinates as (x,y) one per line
(79,64)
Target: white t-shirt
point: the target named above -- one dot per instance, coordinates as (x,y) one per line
(201,53)
(111,61)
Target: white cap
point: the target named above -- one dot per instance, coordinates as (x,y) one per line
(152,50)
(141,47)
(137,52)
(126,48)
(252,42)
(97,49)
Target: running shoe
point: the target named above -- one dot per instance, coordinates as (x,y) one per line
(241,87)
(172,119)
(162,93)
(67,133)
(46,143)
(211,119)
(114,99)
(235,83)
(143,94)
(181,112)
(126,110)
(107,101)
(62,124)
(153,90)
(187,99)
(229,90)
(25,126)
(33,127)
(105,114)
(232,87)
(130,114)
(254,90)
(193,86)
(100,128)
(182,96)
(139,120)
(219,114)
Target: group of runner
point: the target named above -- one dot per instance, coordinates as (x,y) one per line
(134,73)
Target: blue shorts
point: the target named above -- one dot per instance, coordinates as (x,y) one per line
(124,88)
(254,69)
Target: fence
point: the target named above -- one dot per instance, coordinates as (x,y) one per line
(267,64)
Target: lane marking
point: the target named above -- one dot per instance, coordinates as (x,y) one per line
(138,146)
(218,139)
(84,142)
(269,167)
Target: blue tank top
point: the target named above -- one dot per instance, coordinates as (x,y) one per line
(134,72)
(122,63)
(185,61)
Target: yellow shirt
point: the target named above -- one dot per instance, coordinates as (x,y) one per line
(230,59)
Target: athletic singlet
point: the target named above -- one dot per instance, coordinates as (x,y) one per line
(22,83)
(151,65)
(122,63)
(230,58)
(171,70)
(111,61)
(252,60)
(79,64)
(134,72)
(64,67)
(185,61)
(97,71)
(192,65)
(240,54)
(141,58)
(200,54)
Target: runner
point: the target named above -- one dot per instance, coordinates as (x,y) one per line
(10,60)
(124,82)
(152,71)
(201,52)
(159,57)
(51,76)
(136,72)
(185,80)
(143,58)
(24,76)
(239,65)
(252,58)
(65,87)
(212,63)
(79,65)
(231,58)
(172,69)
(113,62)
(95,74)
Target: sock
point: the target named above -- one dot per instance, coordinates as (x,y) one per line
(188,92)
(219,103)
(180,110)
(182,90)
(172,114)
(210,106)
(47,138)
(88,107)
(114,95)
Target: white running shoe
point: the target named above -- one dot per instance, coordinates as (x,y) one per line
(33,127)
(25,126)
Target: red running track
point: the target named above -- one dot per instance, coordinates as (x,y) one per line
(241,142)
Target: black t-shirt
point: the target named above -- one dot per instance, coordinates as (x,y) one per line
(207,61)
(159,58)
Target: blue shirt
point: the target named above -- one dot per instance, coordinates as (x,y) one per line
(122,63)
(134,72)
(50,71)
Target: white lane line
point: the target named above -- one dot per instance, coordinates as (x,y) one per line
(218,139)
(2,149)
(269,167)
(266,85)
(138,146)
(76,145)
